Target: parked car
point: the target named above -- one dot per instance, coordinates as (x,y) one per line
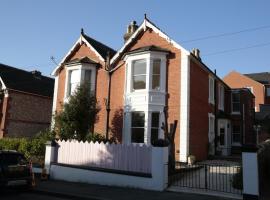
(15,169)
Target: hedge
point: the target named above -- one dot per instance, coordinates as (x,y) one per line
(32,148)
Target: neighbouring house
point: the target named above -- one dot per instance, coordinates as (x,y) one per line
(259,85)
(150,72)
(26,102)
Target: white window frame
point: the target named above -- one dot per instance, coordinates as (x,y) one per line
(149,57)
(235,112)
(211,90)
(221,97)
(82,67)
(268,91)
(250,88)
(144,128)
(132,75)
(211,117)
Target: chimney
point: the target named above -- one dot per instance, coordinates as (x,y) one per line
(196,53)
(36,74)
(132,27)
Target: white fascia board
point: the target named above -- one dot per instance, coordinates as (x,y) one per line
(3,84)
(78,42)
(142,27)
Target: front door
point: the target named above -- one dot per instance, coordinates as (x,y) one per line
(224,137)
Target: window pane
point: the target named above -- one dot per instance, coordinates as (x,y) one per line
(155,120)
(268,92)
(87,76)
(155,82)
(236,138)
(137,119)
(156,67)
(222,136)
(154,134)
(75,76)
(139,67)
(235,97)
(139,82)
(137,135)
(236,107)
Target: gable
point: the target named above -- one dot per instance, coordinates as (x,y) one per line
(96,48)
(146,26)
(237,80)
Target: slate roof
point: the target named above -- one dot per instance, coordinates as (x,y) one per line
(263,77)
(102,49)
(26,81)
(148,48)
(82,60)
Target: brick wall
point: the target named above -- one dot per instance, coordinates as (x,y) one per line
(237,80)
(199,109)
(27,114)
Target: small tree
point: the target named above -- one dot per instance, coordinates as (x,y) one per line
(78,115)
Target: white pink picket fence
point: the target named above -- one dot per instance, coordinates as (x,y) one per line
(125,157)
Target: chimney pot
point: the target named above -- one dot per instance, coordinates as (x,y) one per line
(132,27)
(196,53)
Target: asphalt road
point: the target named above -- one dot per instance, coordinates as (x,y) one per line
(22,194)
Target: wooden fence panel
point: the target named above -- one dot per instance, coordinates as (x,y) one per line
(125,157)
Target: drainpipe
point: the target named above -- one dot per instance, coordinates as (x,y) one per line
(108,101)
(215,112)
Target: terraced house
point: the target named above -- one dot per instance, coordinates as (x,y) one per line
(151,71)
(26,102)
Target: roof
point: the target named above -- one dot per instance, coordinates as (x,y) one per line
(97,47)
(25,81)
(147,48)
(262,77)
(84,59)
(101,48)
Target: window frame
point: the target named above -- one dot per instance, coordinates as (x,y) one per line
(132,75)
(233,133)
(137,127)
(158,75)
(82,67)
(221,97)
(211,90)
(268,92)
(232,102)
(154,127)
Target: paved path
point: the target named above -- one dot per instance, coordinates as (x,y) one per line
(86,191)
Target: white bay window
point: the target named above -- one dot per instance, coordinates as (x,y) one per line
(145,92)
(77,74)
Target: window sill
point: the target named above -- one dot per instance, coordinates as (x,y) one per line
(235,113)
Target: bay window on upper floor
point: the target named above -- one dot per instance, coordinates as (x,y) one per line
(78,73)
(146,72)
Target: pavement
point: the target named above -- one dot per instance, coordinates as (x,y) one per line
(71,190)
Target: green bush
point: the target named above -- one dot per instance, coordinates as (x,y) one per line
(32,148)
(97,137)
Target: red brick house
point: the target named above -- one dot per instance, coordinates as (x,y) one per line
(150,72)
(259,85)
(26,102)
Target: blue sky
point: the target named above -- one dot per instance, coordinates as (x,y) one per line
(32,31)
